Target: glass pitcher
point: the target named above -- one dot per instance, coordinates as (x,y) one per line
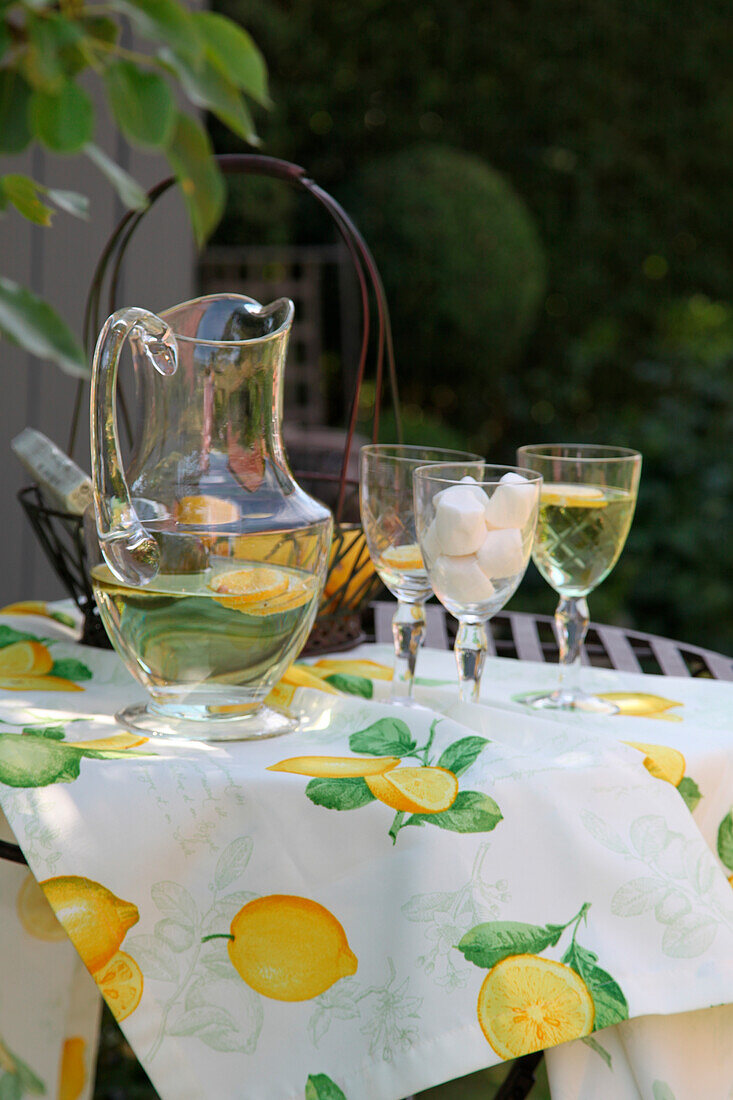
(208,560)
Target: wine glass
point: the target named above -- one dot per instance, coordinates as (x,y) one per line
(587,504)
(475,537)
(388,519)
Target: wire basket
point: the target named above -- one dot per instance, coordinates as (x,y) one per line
(351,582)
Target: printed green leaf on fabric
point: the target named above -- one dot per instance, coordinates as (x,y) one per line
(610,1002)
(232,862)
(595,1046)
(53,733)
(725,841)
(690,792)
(8,636)
(31,761)
(321,1087)
(339,794)
(70,669)
(489,943)
(471,812)
(459,756)
(385,737)
(351,685)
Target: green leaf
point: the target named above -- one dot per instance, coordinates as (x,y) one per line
(141,103)
(725,841)
(100,28)
(609,1001)
(459,756)
(191,158)
(39,329)
(45,60)
(8,636)
(163,20)
(29,1083)
(320,1087)
(15,131)
(487,944)
(62,617)
(70,669)
(206,87)
(128,189)
(690,791)
(351,685)
(232,51)
(53,733)
(385,737)
(5,40)
(63,121)
(71,202)
(22,192)
(472,812)
(10,1087)
(339,794)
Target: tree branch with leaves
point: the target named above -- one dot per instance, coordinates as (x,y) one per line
(44,50)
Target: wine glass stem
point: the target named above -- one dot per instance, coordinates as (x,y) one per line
(470,650)
(571,624)
(408,628)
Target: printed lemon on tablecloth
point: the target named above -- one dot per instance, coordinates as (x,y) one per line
(288,948)
(72,1071)
(95,919)
(120,982)
(35,913)
(415,790)
(527,1003)
(334,767)
(38,757)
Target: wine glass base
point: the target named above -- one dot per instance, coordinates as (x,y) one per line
(198,723)
(566,700)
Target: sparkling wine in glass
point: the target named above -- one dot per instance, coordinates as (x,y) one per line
(388,518)
(586,508)
(475,536)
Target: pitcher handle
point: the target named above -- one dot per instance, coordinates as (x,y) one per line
(129,550)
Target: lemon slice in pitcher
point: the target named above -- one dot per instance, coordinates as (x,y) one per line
(572,496)
(250,586)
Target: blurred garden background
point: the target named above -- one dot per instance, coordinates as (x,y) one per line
(546,188)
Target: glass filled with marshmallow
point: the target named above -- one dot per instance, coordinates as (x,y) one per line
(475,535)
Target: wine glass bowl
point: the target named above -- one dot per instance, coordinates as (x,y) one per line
(475,535)
(586,509)
(388,518)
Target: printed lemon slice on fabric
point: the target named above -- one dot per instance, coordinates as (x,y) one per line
(301,676)
(25,659)
(661,761)
(289,948)
(115,741)
(206,510)
(120,982)
(244,587)
(572,496)
(336,767)
(415,790)
(528,1003)
(95,919)
(403,557)
(72,1072)
(372,670)
(35,914)
(640,704)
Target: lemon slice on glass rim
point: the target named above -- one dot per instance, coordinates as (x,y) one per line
(572,496)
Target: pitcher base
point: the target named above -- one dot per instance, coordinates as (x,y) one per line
(201,723)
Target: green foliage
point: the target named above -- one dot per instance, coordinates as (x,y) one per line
(624,167)
(44,51)
(459,257)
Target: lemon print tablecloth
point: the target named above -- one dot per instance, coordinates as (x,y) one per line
(391,898)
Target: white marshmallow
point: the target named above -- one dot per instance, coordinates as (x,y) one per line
(501,554)
(512,502)
(430,545)
(460,521)
(459,579)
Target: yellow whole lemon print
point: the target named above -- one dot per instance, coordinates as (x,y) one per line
(529,1003)
(95,919)
(72,1072)
(120,982)
(415,790)
(35,914)
(288,948)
